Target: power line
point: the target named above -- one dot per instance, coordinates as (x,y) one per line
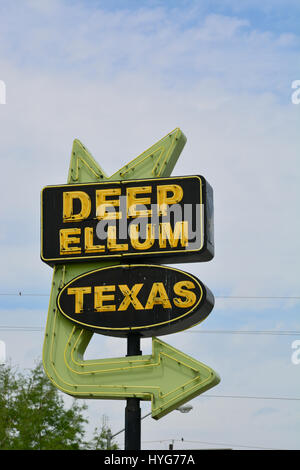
(252,397)
(230,445)
(247,332)
(21,328)
(231,332)
(254,297)
(210,443)
(21,294)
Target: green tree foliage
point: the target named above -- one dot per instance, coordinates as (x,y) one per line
(102,438)
(33,415)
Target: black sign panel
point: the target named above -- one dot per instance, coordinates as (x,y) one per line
(149,300)
(165,219)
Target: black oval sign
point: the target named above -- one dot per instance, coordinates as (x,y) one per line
(149,300)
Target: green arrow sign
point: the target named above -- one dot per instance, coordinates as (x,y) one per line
(168,377)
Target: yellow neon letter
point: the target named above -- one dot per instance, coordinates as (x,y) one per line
(134,237)
(163,200)
(66,238)
(182,288)
(102,203)
(112,244)
(180,232)
(133,201)
(89,242)
(79,293)
(158,296)
(99,298)
(130,297)
(68,198)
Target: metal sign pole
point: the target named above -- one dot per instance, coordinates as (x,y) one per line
(133,410)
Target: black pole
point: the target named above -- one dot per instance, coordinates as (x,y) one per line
(133,410)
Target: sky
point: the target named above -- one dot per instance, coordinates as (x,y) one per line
(119,75)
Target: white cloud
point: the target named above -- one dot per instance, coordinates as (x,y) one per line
(244,143)
(219,28)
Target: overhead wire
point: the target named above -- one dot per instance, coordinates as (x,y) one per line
(231,332)
(20,294)
(251,397)
(243,332)
(247,332)
(210,443)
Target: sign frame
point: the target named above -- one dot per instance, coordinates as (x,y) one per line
(204,252)
(171,320)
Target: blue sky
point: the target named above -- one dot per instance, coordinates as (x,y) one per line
(119,76)
(277,16)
